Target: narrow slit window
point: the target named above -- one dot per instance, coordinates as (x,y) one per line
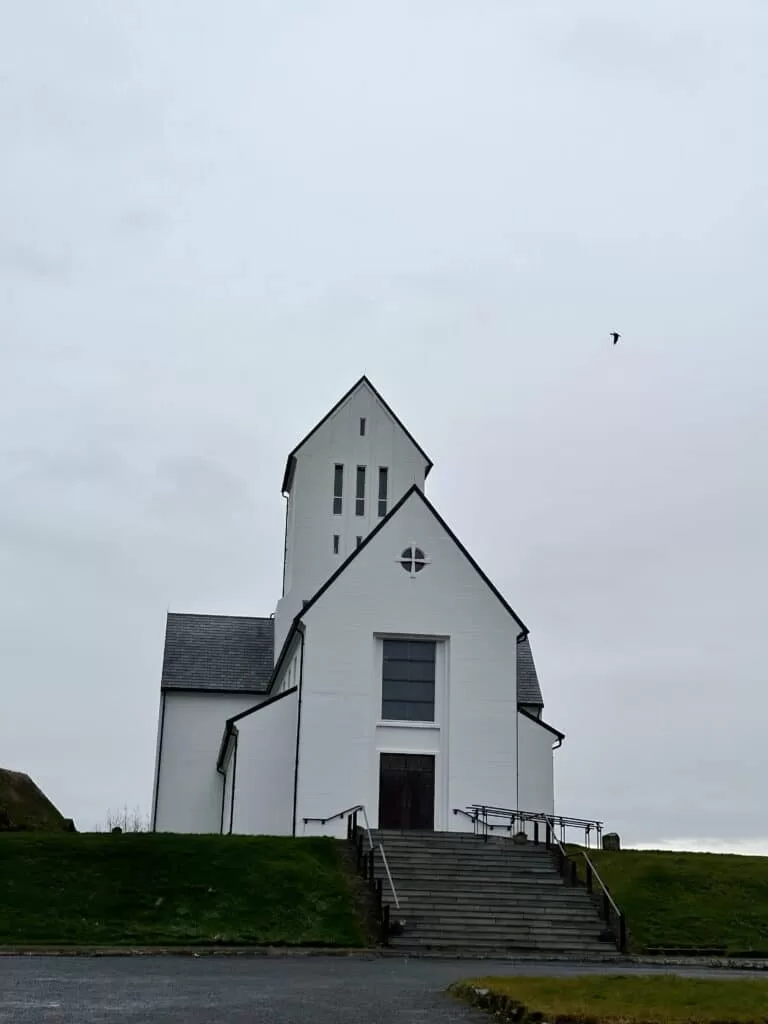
(335,543)
(362,426)
(383,482)
(360,492)
(338,488)
(359,541)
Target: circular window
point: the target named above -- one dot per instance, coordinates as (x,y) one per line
(413,560)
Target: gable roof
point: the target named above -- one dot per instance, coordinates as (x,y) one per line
(290,464)
(220,653)
(528,689)
(414,490)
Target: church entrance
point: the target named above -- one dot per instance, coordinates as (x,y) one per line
(407,791)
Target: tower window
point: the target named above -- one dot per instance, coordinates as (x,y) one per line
(359,541)
(362,426)
(383,481)
(338,488)
(335,543)
(360,492)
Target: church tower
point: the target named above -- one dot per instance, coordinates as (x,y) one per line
(339,483)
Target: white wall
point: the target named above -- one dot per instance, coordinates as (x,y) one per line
(341,737)
(536,766)
(310,521)
(189,788)
(265,754)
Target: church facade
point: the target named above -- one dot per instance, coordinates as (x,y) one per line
(392,674)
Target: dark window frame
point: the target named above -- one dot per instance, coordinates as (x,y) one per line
(360,491)
(408,680)
(362,426)
(338,488)
(383,489)
(336,540)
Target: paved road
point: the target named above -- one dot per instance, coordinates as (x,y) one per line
(235,990)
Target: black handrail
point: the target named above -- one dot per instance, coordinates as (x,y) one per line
(333,817)
(607,903)
(513,817)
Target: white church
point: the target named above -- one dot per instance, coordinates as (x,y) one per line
(392,674)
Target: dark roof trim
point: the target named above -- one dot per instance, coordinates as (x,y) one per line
(230,724)
(290,464)
(544,725)
(393,512)
(207,689)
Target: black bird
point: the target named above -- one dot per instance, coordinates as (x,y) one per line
(615,335)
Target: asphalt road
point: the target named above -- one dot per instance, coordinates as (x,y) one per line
(246,990)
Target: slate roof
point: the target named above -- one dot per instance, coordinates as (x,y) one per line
(218,652)
(528,689)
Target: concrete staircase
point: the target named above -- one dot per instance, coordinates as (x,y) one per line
(462,895)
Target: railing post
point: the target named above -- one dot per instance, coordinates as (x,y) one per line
(573,872)
(359,851)
(370,867)
(622,933)
(606,907)
(548,836)
(535,833)
(385,926)
(589,878)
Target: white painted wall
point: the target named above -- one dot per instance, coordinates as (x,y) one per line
(341,737)
(189,788)
(536,784)
(265,753)
(310,521)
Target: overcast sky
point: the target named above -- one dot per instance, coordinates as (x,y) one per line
(215,217)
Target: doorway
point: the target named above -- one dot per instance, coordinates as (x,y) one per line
(407,791)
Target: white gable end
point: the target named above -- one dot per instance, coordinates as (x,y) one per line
(343,731)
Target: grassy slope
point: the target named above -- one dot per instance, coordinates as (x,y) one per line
(166,889)
(632,1000)
(27,805)
(689,899)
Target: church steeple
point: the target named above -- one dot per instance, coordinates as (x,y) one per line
(339,482)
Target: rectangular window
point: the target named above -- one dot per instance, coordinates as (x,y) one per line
(362,426)
(335,543)
(360,492)
(338,488)
(359,541)
(383,480)
(408,681)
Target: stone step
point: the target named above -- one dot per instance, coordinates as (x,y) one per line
(487,945)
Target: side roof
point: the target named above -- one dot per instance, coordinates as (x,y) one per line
(291,460)
(219,653)
(528,689)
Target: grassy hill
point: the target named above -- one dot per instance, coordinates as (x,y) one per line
(145,889)
(23,805)
(676,900)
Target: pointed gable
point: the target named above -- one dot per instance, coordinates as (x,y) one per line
(363,382)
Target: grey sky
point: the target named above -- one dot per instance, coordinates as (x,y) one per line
(213,219)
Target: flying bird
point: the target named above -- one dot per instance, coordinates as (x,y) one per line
(615,335)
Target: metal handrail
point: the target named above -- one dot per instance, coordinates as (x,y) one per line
(484,811)
(347,813)
(601,883)
(333,817)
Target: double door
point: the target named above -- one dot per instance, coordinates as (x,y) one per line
(407,791)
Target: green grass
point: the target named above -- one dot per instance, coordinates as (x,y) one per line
(26,805)
(169,889)
(675,900)
(616,999)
